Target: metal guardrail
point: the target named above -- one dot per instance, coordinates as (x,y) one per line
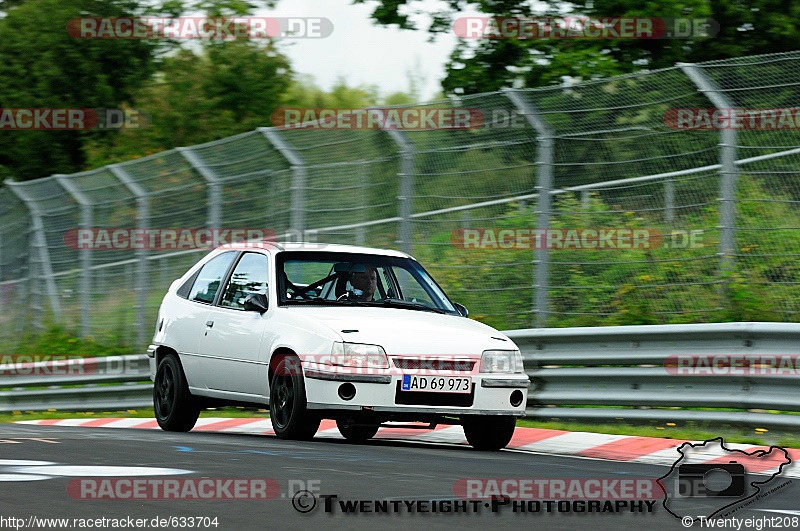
(92,384)
(619,371)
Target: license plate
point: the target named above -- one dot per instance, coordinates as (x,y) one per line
(436,384)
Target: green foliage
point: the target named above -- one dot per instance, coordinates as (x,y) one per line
(304,93)
(592,287)
(57,341)
(42,66)
(746,28)
(227,88)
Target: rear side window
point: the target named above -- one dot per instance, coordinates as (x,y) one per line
(210,277)
(186,288)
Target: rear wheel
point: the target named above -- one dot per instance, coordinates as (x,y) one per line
(288,409)
(175,408)
(354,432)
(489,432)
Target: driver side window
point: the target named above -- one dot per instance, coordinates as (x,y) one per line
(208,279)
(250,276)
(304,273)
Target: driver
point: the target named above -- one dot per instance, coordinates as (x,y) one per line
(366,282)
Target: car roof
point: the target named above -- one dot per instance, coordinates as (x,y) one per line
(317,247)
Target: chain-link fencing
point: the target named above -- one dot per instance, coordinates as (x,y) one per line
(598,155)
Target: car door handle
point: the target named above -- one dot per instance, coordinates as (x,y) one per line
(210,324)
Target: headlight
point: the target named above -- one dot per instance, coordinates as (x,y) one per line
(508,361)
(359,355)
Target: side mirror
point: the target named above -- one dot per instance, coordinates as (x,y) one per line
(256,302)
(461,309)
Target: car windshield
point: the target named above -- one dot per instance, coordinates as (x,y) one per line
(348,279)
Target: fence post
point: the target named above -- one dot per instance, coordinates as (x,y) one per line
(2,292)
(544,185)
(405,196)
(669,200)
(214,218)
(729,173)
(297,220)
(38,247)
(25,285)
(142,222)
(87,222)
(363,203)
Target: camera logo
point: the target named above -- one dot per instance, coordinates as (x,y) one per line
(726,480)
(709,477)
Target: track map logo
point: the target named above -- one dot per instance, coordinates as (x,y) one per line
(710,480)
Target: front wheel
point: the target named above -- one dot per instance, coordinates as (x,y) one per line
(175,408)
(288,409)
(489,432)
(356,433)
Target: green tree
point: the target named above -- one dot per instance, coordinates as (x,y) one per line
(746,28)
(227,88)
(42,66)
(305,93)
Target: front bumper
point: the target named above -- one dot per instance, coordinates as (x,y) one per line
(491,394)
(151,359)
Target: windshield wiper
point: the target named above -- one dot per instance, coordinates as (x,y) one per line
(400,303)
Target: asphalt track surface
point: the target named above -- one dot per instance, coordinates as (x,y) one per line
(381,469)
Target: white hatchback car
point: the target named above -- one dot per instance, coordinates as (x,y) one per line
(359,335)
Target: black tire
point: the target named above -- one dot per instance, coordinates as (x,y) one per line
(357,433)
(175,408)
(489,432)
(288,409)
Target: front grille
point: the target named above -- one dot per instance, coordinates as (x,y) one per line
(417,364)
(416,398)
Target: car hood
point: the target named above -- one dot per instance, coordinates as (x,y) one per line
(409,332)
